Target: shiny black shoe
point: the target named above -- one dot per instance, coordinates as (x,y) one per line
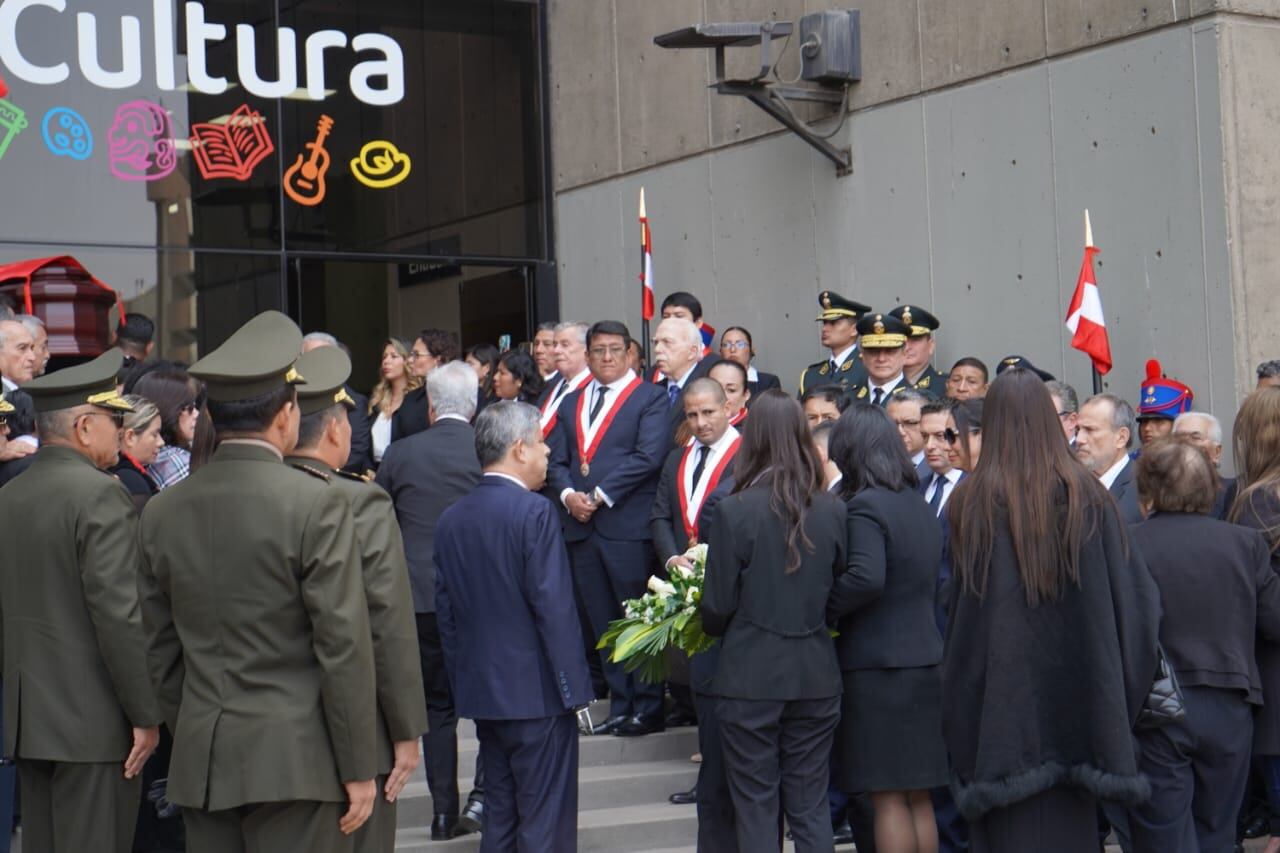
(472,817)
(443,827)
(1258,826)
(678,718)
(684,798)
(842,834)
(639,725)
(607,727)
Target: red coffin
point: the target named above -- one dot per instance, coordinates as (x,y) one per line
(74,305)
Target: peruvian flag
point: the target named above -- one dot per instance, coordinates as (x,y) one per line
(1085,319)
(646,261)
(4,90)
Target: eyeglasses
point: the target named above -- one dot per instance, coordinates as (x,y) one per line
(414,354)
(601,352)
(734,345)
(191,408)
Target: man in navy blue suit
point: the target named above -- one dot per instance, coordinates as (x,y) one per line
(512,643)
(607,449)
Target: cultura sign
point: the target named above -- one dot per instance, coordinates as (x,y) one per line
(377,80)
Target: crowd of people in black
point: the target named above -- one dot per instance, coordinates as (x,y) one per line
(955,611)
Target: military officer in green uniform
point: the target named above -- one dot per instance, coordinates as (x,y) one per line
(842,367)
(920,345)
(882,341)
(259,638)
(324,444)
(80,714)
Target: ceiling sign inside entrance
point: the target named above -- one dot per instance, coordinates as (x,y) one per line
(377,79)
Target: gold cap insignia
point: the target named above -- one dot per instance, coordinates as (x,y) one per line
(906,314)
(1151,390)
(826,300)
(879,326)
(293,377)
(1011,361)
(343,397)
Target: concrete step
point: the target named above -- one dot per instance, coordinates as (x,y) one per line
(674,744)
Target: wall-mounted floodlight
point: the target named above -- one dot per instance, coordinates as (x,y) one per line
(830,61)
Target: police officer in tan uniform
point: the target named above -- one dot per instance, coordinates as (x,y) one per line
(324,444)
(259,639)
(80,715)
(839,319)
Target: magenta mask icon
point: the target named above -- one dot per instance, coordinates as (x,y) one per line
(141,142)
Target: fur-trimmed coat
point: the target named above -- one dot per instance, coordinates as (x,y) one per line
(1040,697)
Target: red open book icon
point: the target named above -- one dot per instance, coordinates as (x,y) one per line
(234,148)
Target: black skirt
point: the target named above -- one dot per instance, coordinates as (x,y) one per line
(890,735)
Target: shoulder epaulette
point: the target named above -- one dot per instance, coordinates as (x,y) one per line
(312,470)
(366,477)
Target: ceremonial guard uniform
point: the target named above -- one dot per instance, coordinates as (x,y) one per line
(1162,399)
(402,709)
(75,674)
(842,367)
(921,324)
(260,644)
(880,332)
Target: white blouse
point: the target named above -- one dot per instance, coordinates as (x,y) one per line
(381,432)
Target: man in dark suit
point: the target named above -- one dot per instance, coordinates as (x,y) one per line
(694,478)
(360,459)
(677,353)
(425,474)
(1106,430)
(569,349)
(511,638)
(607,451)
(1205,431)
(432,348)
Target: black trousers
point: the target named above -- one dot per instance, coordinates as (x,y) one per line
(1198,769)
(606,572)
(1059,820)
(717,831)
(531,803)
(73,808)
(440,743)
(777,754)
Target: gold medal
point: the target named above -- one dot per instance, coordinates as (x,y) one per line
(585,469)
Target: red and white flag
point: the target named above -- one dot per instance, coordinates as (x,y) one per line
(646,262)
(1085,319)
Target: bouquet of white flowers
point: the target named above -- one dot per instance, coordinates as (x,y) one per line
(665,616)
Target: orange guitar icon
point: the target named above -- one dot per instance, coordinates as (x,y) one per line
(304,182)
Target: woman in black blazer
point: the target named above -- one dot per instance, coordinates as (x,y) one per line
(776,544)
(889,646)
(1218,592)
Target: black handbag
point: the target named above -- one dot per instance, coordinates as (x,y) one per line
(1164,703)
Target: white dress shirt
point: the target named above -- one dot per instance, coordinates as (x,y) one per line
(1109,476)
(587,428)
(947,484)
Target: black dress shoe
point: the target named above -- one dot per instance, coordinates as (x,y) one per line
(639,725)
(678,718)
(684,798)
(443,827)
(472,817)
(1257,827)
(843,834)
(610,724)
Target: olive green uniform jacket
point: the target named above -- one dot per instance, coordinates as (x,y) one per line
(75,673)
(259,640)
(398,666)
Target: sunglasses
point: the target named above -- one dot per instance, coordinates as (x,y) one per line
(952,436)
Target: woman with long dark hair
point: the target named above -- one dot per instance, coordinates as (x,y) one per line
(180,399)
(1051,648)
(517,378)
(1256,445)
(483,359)
(776,545)
(890,735)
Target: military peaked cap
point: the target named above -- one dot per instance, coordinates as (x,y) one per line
(836,307)
(257,359)
(881,331)
(327,370)
(919,321)
(90,384)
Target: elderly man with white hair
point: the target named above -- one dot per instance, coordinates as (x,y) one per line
(677,353)
(361,458)
(1205,431)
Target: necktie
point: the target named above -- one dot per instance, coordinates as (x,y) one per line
(935,502)
(833,366)
(595,410)
(564,386)
(673,392)
(877,395)
(703,450)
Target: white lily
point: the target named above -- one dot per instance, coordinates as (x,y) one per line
(661,587)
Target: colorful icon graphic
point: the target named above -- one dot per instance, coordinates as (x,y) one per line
(4,89)
(140,143)
(12,122)
(67,133)
(381,165)
(233,147)
(304,182)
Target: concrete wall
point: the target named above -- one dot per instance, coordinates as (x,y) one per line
(980,132)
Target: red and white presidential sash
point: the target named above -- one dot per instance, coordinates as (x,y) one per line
(590,435)
(548,412)
(691,508)
(738,418)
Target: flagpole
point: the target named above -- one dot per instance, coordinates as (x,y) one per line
(1088,244)
(644,321)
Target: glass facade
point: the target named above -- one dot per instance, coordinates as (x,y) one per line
(209,160)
